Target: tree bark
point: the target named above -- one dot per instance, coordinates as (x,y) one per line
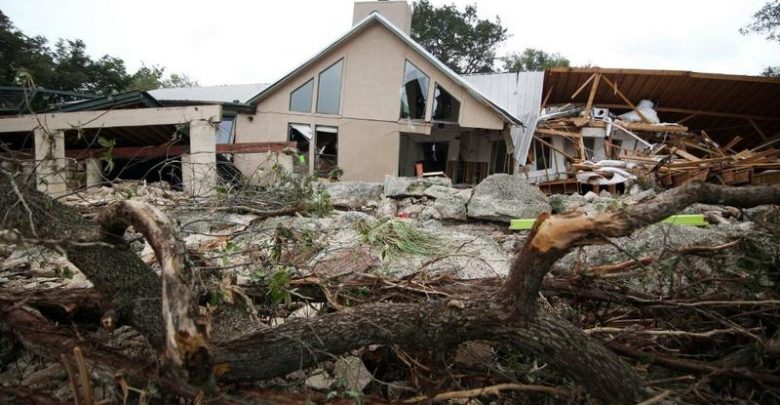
(512,316)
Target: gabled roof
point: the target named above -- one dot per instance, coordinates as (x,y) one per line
(378,18)
(233,93)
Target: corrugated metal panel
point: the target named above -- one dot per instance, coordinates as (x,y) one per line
(520,93)
(234,93)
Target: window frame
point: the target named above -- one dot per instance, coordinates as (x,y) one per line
(425,116)
(433,104)
(311,105)
(319,87)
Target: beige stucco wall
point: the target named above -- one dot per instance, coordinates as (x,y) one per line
(369,123)
(399,12)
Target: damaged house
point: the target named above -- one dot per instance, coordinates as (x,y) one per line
(374,103)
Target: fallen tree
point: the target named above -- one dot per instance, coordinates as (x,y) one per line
(164,309)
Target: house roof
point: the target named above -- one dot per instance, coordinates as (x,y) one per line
(723,105)
(233,93)
(378,18)
(130,99)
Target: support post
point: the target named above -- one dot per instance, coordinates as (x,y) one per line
(199,167)
(94,172)
(312,148)
(50,161)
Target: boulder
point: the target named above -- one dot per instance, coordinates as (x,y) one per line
(351,373)
(450,202)
(386,208)
(502,197)
(354,194)
(398,187)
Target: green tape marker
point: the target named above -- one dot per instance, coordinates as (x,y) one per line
(525,224)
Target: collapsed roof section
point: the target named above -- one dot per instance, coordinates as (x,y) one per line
(720,104)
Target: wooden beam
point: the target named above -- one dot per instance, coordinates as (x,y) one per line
(682,121)
(758,130)
(566,155)
(547,96)
(140,152)
(112,118)
(556,132)
(590,79)
(699,112)
(626,100)
(592,95)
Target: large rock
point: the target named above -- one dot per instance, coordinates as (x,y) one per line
(398,187)
(502,197)
(352,373)
(355,194)
(450,202)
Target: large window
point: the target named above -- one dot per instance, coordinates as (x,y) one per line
(445,107)
(414,93)
(300,98)
(329,90)
(225,130)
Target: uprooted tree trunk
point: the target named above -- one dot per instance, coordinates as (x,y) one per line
(512,316)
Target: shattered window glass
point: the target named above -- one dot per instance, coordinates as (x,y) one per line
(225,130)
(329,90)
(300,98)
(445,107)
(414,93)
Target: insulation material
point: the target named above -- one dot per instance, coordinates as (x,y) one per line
(646,108)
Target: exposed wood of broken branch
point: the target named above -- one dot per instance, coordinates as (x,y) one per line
(185,344)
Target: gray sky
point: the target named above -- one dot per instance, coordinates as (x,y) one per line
(230,42)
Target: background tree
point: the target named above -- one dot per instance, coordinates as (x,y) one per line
(533,60)
(460,39)
(153,77)
(766,21)
(69,67)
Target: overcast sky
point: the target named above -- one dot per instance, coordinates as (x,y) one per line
(231,42)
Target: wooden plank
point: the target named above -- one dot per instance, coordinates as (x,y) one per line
(685,155)
(732,143)
(566,155)
(698,112)
(758,129)
(592,95)
(555,132)
(626,100)
(590,79)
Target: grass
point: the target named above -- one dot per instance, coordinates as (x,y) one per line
(395,237)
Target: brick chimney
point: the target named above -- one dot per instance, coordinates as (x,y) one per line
(398,12)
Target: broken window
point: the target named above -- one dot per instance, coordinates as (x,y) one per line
(327,154)
(300,98)
(414,93)
(543,154)
(301,135)
(445,107)
(329,90)
(225,130)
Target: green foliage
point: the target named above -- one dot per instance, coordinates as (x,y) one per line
(771,71)
(766,21)
(68,67)
(108,155)
(458,38)
(152,77)
(395,237)
(279,291)
(533,60)
(302,191)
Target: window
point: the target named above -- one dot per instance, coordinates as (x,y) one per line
(329,90)
(445,107)
(301,135)
(414,93)
(300,98)
(543,154)
(225,130)
(327,155)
